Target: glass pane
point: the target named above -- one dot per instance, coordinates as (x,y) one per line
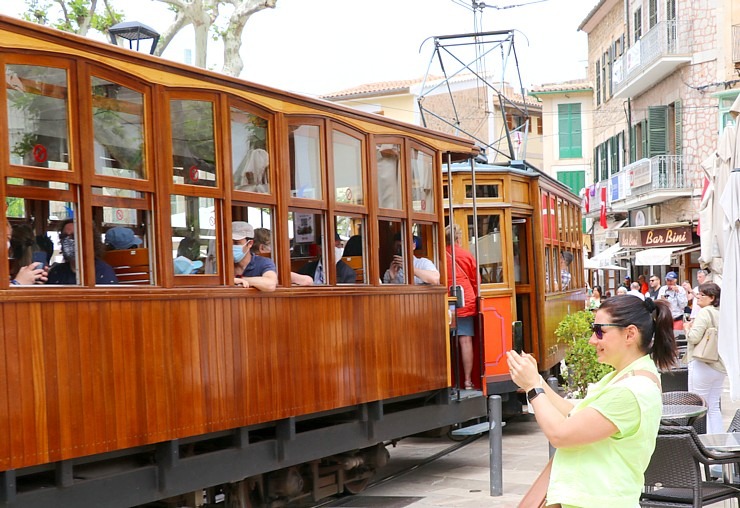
(193,143)
(118,125)
(305,161)
(548,287)
(261,220)
(389,176)
(490,259)
(422,181)
(194,247)
(249,156)
(426,258)
(37,116)
(126,243)
(37,183)
(348,247)
(307,264)
(347,168)
(521,268)
(482,191)
(393,250)
(119,193)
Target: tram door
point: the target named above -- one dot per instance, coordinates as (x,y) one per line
(521,229)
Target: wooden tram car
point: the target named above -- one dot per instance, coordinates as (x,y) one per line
(523,221)
(171,383)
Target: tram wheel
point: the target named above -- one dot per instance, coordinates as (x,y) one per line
(357,486)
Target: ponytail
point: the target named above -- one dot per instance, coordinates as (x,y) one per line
(653,320)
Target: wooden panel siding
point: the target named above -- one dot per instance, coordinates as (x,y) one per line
(85,375)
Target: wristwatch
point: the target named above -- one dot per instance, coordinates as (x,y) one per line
(534,392)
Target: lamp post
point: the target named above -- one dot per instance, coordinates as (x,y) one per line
(133,31)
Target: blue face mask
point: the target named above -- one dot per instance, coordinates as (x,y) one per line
(238,252)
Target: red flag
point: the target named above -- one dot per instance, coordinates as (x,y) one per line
(602,218)
(587,200)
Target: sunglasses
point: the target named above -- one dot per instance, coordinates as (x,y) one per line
(597,328)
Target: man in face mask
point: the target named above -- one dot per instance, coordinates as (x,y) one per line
(250,270)
(66,272)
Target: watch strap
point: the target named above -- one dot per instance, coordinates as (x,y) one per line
(534,392)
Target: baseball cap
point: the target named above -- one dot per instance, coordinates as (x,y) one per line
(121,238)
(185,266)
(241,230)
(671,276)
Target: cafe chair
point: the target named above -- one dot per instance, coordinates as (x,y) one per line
(686,399)
(674,478)
(735,423)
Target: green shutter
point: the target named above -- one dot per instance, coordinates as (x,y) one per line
(633,144)
(679,127)
(569,131)
(577,136)
(657,130)
(575,180)
(644,134)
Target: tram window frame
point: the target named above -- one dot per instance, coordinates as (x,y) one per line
(305,202)
(330,273)
(241,211)
(147,182)
(362,270)
(430,246)
(388,228)
(72,173)
(143,208)
(503,240)
(331,171)
(435,174)
(215,191)
(197,279)
(403,170)
(482,182)
(267,198)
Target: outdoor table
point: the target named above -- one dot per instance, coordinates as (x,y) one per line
(728,443)
(678,411)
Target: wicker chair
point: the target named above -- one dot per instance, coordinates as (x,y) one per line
(687,399)
(673,477)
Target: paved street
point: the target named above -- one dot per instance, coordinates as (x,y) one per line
(461,479)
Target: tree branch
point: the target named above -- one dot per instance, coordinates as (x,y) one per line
(166,37)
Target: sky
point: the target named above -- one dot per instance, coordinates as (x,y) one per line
(316,47)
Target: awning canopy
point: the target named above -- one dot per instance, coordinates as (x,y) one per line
(604,260)
(655,257)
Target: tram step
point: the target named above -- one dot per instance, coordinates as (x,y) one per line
(472,430)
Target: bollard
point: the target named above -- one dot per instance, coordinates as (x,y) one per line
(495,448)
(552,382)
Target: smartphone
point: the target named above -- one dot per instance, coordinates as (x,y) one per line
(39,257)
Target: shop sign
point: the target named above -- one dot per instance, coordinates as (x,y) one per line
(640,174)
(656,237)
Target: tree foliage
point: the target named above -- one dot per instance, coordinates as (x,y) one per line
(76,16)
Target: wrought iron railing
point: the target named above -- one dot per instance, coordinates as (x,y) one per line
(664,39)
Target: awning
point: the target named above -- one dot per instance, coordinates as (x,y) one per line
(589,264)
(655,257)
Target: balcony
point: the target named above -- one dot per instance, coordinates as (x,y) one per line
(659,53)
(644,182)
(736,45)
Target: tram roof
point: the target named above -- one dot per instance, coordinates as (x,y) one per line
(515,167)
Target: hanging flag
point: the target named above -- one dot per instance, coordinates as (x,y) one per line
(587,200)
(703,192)
(602,218)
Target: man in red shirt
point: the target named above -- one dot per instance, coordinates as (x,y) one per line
(466,277)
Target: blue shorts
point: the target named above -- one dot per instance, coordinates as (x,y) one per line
(465,326)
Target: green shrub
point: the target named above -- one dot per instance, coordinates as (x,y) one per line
(581,365)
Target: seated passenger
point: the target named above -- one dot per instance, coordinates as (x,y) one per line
(24,273)
(250,270)
(186,266)
(315,270)
(566,258)
(353,247)
(263,247)
(119,238)
(424,270)
(65,273)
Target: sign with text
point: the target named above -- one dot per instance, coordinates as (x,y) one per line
(656,237)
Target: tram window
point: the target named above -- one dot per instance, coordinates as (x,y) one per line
(193,143)
(521,262)
(38,125)
(548,286)
(482,191)
(125,235)
(425,242)
(305,161)
(389,175)
(490,251)
(194,236)
(347,157)
(260,218)
(392,251)
(422,181)
(307,248)
(118,126)
(249,156)
(351,265)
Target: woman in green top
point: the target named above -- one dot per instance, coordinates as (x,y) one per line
(604,443)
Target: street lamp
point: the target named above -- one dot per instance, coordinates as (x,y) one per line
(134,31)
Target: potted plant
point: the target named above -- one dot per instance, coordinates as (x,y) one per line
(581,366)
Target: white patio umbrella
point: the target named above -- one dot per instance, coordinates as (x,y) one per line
(729,311)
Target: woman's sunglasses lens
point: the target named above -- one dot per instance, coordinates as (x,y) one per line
(596,328)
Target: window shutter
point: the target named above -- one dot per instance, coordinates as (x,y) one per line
(657,130)
(643,134)
(577,134)
(679,127)
(633,144)
(596,164)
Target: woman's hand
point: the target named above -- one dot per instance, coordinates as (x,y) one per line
(28,275)
(523,370)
